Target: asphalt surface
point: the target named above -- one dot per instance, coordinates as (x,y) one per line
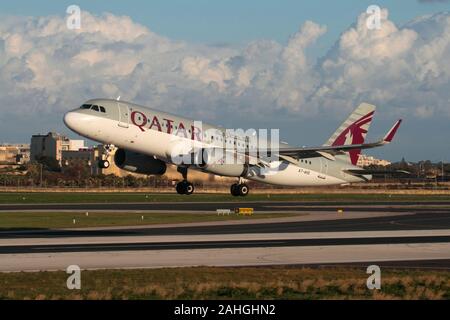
(408,216)
(216,244)
(418,221)
(388,206)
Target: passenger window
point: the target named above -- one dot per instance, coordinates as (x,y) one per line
(102,109)
(95,108)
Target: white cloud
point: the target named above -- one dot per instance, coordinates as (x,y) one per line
(46,68)
(393,67)
(206,71)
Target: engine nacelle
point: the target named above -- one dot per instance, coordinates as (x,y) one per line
(216,161)
(139,163)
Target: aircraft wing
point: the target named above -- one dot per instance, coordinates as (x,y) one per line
(330,151)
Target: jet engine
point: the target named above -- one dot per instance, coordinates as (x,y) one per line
(217,161)
(139,163)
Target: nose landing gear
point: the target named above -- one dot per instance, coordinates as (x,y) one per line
(104,163)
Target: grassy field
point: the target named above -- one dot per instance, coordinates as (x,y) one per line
(144,197)
(53,220)
(228,283)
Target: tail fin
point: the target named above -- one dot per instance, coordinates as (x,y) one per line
(353,131)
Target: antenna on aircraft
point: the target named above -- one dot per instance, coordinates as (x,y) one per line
(118,98)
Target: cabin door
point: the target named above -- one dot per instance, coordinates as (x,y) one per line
(124,115)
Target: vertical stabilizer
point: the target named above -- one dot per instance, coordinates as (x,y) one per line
(353,131)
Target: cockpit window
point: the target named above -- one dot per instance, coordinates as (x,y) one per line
(94,107)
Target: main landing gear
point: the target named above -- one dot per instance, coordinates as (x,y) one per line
(239,189)
(184,187)
(104,163)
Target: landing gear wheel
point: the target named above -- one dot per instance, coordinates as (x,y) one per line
(239,190)
(189,188)
(103,164)
(180,188)
(235,190)
(243,190)
(185,187)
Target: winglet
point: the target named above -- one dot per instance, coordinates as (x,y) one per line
(390,135)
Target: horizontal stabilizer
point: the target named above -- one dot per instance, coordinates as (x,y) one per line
(362,172)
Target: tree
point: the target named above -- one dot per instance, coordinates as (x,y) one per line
(77,170)
(49,164)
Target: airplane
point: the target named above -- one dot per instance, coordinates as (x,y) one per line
(147,140)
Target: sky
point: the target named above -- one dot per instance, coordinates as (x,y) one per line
(300,66)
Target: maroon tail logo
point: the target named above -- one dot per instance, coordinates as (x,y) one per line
(354,134)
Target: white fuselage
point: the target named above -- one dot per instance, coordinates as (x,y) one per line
(150,132)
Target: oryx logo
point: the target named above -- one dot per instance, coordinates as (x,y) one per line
(355,134)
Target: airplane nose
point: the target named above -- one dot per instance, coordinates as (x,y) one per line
(79,123)
(70,119)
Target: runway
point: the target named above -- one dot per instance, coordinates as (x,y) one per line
(260,206)
(346,222)
(404,234)
(131,246)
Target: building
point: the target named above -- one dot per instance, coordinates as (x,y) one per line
(52,146)
(90,157)
(14,154)
(365,161)
(72,145)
